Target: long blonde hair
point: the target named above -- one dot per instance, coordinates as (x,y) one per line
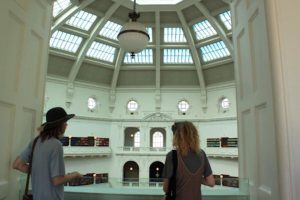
(186,137)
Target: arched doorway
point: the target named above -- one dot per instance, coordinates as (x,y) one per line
(155,172)
(131,139)
(130,173)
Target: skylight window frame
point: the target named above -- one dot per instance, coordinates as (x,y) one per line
(223,17)
(218,54)
(66,5)
(97,54)
(57,44)
(204,28)
(174,36)
(89,22)
(110,30)
(148,61)
(168,60)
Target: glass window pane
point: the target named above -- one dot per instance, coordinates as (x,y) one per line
(59,6)
(82,20)
(65,41)
(110,30)
(144,57)
(174,35)
(226,19)
(177,56)
(158,140)
(101,51)
(132,106)
(137,139)
(214,51)
(204,30)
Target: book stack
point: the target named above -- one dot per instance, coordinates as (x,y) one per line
(87,179)
(101,178)
(64,141)
(230,181)
(213,142)
(229,142)
(82,141)
(102,142)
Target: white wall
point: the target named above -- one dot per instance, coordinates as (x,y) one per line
(103,123)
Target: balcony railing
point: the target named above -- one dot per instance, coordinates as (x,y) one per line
(143,150)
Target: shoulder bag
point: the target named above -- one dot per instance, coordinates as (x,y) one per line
(171,194)
(27,196)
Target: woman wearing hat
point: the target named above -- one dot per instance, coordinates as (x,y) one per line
(48,167)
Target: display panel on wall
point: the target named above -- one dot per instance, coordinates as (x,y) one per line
(226,180)
(222,142)
(213,142)
(102,142)
(229,142)
(82,141)
(89,179)
(85,141)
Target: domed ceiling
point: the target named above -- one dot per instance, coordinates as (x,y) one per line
(190,44)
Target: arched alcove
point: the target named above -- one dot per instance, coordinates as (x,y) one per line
(155,172)
(130,172)
(157,138)
(131,137)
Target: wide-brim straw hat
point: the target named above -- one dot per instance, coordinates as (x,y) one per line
(55,117)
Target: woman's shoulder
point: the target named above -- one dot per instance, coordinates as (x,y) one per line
(54,142)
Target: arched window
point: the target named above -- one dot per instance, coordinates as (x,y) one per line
(158,139)
(137,139)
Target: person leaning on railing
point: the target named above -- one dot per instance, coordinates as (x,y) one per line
(48,167)
(193,168)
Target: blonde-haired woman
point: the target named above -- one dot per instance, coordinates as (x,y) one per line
(193,168)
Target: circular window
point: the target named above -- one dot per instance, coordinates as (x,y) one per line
(225,103)
(132,106)
(92,103)
(183,106)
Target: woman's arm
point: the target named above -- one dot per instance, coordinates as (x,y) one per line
(166,185)
(59,180)
(20,165)
(209,181)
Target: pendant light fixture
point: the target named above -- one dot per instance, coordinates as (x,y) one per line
(133,37)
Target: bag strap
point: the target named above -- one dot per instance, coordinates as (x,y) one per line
(172,182)
(29,166)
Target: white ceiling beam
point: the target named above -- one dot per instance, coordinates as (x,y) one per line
(112,97)
(94,33)
(119,61)
(195,55)
(214,23)
(158,64)
(68,14)
(157,50)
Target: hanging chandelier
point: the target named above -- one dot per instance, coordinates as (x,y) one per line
(133,37)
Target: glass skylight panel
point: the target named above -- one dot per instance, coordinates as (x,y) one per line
(110,30)
(82,20)
(60,5)
(65,41)
(226,19)
(214,51)
(204,30)
(144,57)
(149,31)
(174,35)
(177,56)
(101,51)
